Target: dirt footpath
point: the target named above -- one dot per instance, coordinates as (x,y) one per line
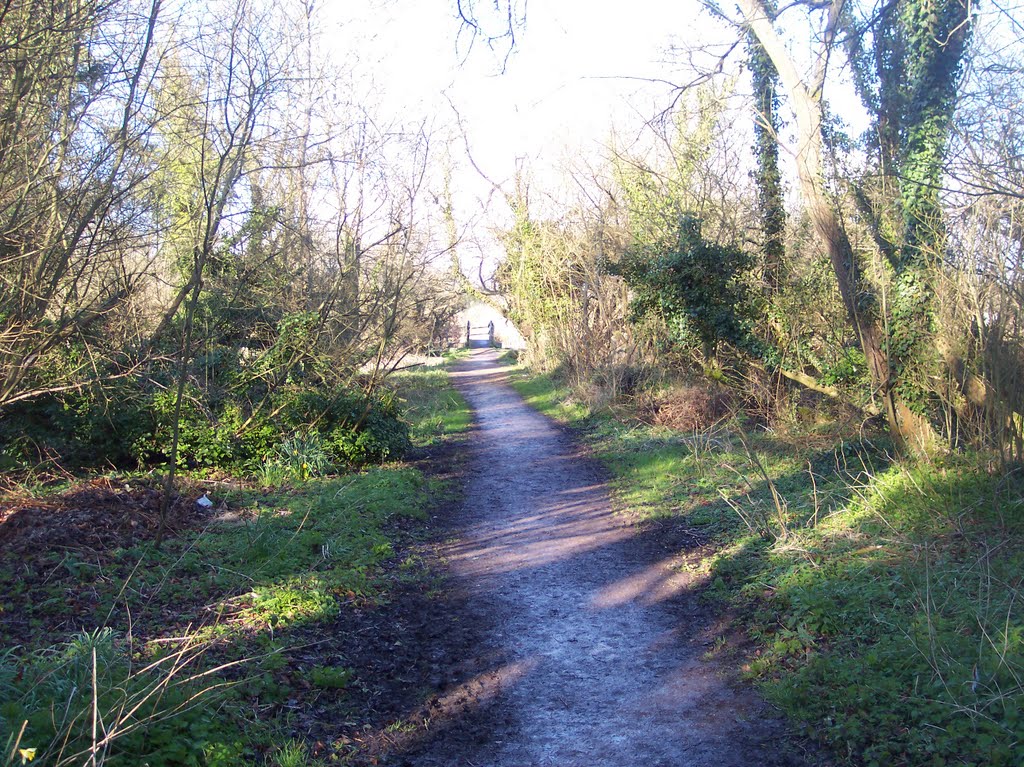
(599,641)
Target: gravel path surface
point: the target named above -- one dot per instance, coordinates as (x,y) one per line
(601,640)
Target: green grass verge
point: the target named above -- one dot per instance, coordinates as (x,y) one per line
(433,408)
(173,653)
(884,600)
(546,394)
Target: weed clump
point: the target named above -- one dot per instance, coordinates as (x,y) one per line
(89,701)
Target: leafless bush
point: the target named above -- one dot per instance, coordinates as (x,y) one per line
(689,407)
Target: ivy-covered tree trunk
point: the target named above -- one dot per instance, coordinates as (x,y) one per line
(917,86)
(764,80)
(909,429)
(918,50)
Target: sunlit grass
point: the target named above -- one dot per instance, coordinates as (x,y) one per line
(549,396)
(884,600)
(433,408)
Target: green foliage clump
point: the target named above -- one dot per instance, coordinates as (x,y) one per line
(90,426)
(293,754)
(305,600)
(240,408)
(205,438)
(304,428)
(309,430)
(331,677)
(377,434)
(304,456)
(846,367)
(694,285)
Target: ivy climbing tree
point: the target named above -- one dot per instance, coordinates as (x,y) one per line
(765,82)
(918,47)
(909,79)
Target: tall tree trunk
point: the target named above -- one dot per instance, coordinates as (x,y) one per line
(911,431)
(768,178)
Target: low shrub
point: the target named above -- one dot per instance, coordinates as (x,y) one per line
(689,407)
(87,429)
(129,423)
(356,428)
(381,436)
(205,438)
(96,425)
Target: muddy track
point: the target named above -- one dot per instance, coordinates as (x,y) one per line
(597,642)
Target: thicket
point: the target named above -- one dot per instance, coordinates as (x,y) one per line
(203,260)
(129,427)
(889,292)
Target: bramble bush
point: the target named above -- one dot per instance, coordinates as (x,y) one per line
(127,427)
(92,426)
(355,428)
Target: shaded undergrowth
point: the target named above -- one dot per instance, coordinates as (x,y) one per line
(205,651)
(881,601)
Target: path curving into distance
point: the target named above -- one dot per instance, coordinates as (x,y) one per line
(597,633)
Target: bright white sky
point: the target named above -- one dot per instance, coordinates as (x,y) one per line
(551,95)
(566,83)
(576,70)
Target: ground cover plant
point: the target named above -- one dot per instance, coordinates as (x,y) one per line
(202,650)
(880,599)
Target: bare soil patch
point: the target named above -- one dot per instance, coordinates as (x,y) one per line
(98,514)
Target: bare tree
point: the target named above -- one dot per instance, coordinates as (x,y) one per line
(233,76)
(75,93)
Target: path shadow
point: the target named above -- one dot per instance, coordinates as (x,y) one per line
(597,633)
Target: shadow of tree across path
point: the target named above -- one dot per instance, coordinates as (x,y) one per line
(600,637)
